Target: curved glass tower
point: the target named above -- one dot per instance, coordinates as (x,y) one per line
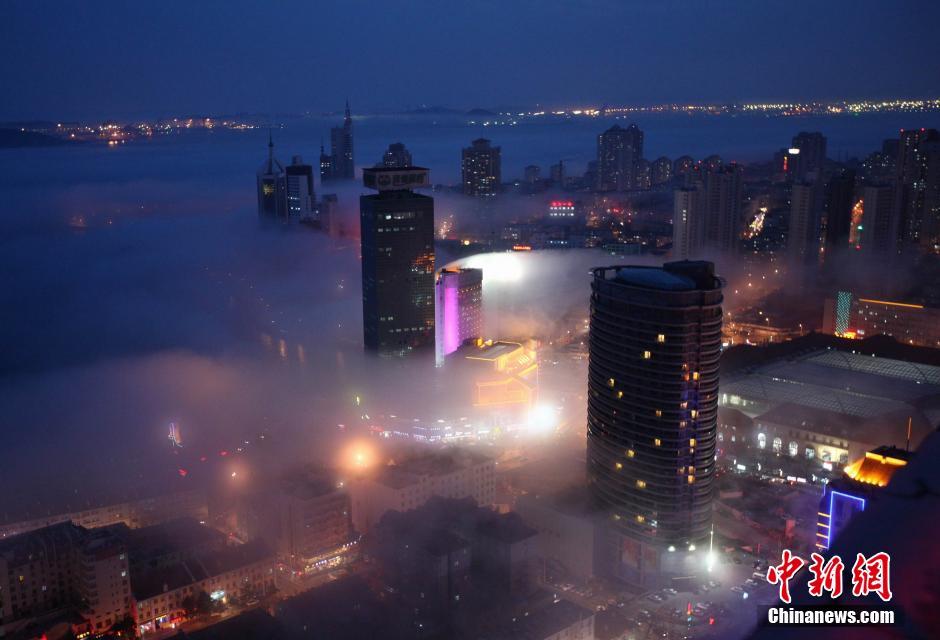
(655,342)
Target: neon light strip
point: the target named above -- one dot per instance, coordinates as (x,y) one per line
(832,526)
(892,304)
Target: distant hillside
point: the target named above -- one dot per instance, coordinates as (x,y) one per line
(13,138)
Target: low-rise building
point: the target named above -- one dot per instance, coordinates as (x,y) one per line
(411,483)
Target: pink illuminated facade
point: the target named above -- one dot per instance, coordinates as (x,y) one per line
(459,309)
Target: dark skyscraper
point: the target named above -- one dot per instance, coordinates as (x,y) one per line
(807,156)
(655,342)
(396,157)
(840,198)
(660,171)
(342,164)
(299,191)
(619,152)
(724,191)
(397,227)
(803,235)
(326,165)
(272,202)
(481,168)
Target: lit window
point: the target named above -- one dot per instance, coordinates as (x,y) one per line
(794,448)
(630,453)
(691,442)
(619,466)
(695,375)
(619,394)
(682,424)
(693,413)
(659,413)
(610,382)
(658,442)
(661,338)
(640,519)
(691,479)
(641,484)
(761,441)
(647,355)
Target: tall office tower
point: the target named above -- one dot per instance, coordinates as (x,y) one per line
(655,341)
(880,222)
(458,310)
(558,174)
(661,171)
(481,168)
(341,143)
(840,199)
(301,197)
(803,236)
(918,186)
(807,156)
(271,186)
(619,152)
(396,157)
(724,192)
(397,228)
(687,225)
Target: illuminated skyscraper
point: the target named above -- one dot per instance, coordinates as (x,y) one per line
(458,309)
(655,342)
(301,197)
(343,166)
(326,165)
(619,152)
(481,168)
(660,171)
(397,228)
(396,157)
(272,202)
(863,480)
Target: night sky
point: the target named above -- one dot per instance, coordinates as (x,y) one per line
(62,60)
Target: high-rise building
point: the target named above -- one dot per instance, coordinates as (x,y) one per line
(840,200)
(301,198)
(660,171)
(396,157)
(619,152)
(481,169)
(687,224)
(803,236)
(342,164)
(906,321)
(397,229)
(532,174)
(458,309)
(558,174)
(807,156)
(917,197)
(878,235)
(271,186)
(724,193)
(682,165)
(61,567)
(326,165)
(655,342)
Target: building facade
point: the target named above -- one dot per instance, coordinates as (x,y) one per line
(481,168)
(397,235)
(301,202)
(458,309)
(655,341)
(619,152)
